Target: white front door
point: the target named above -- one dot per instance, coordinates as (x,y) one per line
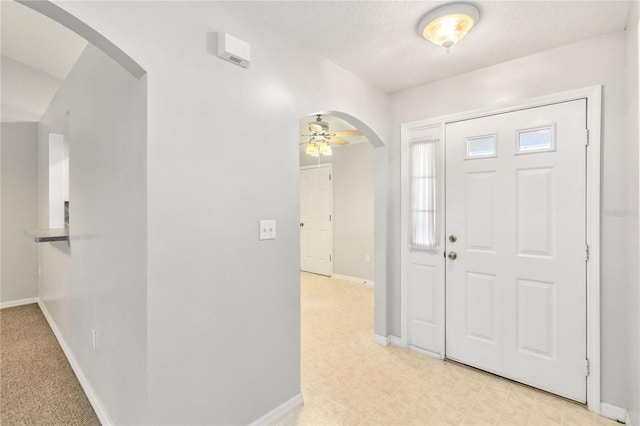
(316,226)
(515,219)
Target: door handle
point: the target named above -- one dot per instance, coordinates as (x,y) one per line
(452,255)
(301,223)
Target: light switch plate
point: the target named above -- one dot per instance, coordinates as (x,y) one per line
(267,229)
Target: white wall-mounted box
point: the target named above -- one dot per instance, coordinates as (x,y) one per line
(233,50)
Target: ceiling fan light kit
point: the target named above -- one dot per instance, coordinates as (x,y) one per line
(313,149)
(325,148)
(448,24)
(320,139)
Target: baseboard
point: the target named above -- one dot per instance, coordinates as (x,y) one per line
(280,411)
(366,282)
(20,302)
(396,341)
(84,382)
(381,340)
(614,413)
(388,340)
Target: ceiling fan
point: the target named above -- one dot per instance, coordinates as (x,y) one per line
(320,138)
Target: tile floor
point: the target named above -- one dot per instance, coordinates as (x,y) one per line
(349,380)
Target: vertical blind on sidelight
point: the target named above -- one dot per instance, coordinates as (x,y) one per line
(424,195)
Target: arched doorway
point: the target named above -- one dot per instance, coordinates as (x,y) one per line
(105,137)
(380,216)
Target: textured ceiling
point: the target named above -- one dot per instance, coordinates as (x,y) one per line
(37,55)
(379,40)
(376,40)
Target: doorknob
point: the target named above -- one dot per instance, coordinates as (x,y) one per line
(301,223)
(452,255)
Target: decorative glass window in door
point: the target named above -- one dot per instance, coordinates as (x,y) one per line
(424,195)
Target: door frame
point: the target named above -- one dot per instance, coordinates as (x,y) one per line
(409,131)
(316,166)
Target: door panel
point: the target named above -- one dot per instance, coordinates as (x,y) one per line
(516,293)
(479,192)
(480,306)
(425,279)
(316,230)
(535,215)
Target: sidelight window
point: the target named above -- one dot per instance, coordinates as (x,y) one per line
(424,195)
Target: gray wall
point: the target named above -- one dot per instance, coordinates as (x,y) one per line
(632,91)
(586,63)
(19,180)
(98,281)
(353,204)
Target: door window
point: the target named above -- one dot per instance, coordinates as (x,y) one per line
(424,200)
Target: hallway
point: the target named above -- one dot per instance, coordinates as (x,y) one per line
(348,379)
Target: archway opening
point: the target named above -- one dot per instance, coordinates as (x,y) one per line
(355,280)
(87,146)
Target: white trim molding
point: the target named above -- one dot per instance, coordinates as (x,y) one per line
(593,96)
(396,341)
(389,340)
(381,340)
(614,413)
(594,218)
(99,409)
(280,411)
(369,283)
(19,302)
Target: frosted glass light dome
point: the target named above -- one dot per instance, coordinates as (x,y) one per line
(447,25)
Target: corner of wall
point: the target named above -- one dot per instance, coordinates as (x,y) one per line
(633,95)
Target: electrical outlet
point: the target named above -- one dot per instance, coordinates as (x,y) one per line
(93,339)
(267,229)
(367,258)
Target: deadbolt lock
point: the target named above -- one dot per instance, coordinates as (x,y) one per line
(453,238)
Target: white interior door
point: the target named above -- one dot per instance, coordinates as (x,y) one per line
(515,206)
(316,226)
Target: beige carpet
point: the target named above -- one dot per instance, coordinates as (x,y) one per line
(37,384)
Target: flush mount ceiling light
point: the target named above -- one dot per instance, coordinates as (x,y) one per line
(447,25)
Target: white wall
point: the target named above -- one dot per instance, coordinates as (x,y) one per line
(19,179)
(586,63)
(353,204)
(223,307)
(98,280)
(632,91)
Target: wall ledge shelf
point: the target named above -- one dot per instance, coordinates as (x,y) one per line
(47,235)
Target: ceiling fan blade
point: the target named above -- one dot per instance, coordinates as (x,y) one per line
(338,141)
(348,133)
(305,141)
(315,128)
